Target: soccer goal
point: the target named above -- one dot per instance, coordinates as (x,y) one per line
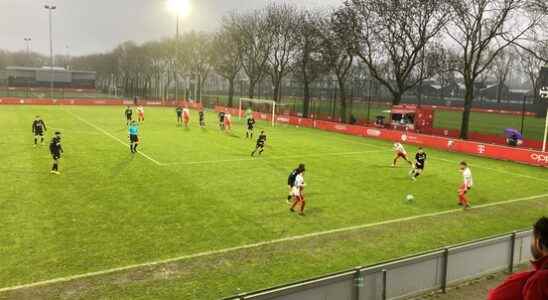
(248,106)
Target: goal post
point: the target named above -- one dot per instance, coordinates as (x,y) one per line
(259,105)
(544,95)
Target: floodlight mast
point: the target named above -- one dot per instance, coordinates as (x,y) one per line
(181,8)
(50,9)
(27,43)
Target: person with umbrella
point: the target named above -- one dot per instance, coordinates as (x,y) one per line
(513,137)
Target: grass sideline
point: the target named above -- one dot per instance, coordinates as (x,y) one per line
(110,209)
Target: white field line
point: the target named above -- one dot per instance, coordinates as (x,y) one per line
(258,158)
(259,244)
(113,137)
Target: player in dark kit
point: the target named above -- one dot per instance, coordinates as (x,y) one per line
(261,141)
(291,181)
(420,161)
(222,120)
(250,127)
(55,149)
(38,128)
(179,112)
(129,115)
(201,116)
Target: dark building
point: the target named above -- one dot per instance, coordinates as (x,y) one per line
(41,77)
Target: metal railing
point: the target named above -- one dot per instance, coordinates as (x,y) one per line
(409,276)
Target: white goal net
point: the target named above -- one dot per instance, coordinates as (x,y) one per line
(266,107)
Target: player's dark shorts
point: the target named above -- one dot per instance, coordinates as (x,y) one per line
(56,155)
(133,138)
(419,166)
(260,145)
(250,128)
(128,117)
(39,133)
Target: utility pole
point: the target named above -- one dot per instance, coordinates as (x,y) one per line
(29,62)
(27,43)
(50,9)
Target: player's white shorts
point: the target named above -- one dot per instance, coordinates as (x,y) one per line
(296,192)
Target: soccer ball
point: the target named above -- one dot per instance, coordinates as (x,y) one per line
(409,198)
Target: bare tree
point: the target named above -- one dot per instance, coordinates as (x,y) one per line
(337,54)
(226,55)
(255,42)
(432,63)
(532,63)
(282,22)
(197,58)
(390,38)
(446,71)
(309,65)
(502,65)
(481,30)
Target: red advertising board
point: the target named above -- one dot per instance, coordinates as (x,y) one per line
(526,156)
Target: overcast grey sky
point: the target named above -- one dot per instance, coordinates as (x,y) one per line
(88,26)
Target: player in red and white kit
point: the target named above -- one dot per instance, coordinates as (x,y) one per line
(467,184)
(186,116)
(400,152)
(141,113)
(298,192)
(228,121)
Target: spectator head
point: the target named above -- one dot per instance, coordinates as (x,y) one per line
(539,246)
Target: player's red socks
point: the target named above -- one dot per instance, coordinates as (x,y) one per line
(294,203)
(463,200)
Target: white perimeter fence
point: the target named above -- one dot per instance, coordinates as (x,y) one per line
(409,276)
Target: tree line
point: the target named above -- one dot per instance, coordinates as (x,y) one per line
(398,43)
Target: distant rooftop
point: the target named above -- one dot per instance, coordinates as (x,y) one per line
(16,68)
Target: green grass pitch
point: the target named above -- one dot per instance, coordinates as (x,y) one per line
(199,190)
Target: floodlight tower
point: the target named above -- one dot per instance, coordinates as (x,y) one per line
(180,8)
(50,9)
(27,43)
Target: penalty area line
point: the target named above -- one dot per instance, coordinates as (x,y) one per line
(259,244)
(112,137)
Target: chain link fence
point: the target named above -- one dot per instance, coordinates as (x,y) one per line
(366,100)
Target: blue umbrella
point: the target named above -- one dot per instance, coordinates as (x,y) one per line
(513,133)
